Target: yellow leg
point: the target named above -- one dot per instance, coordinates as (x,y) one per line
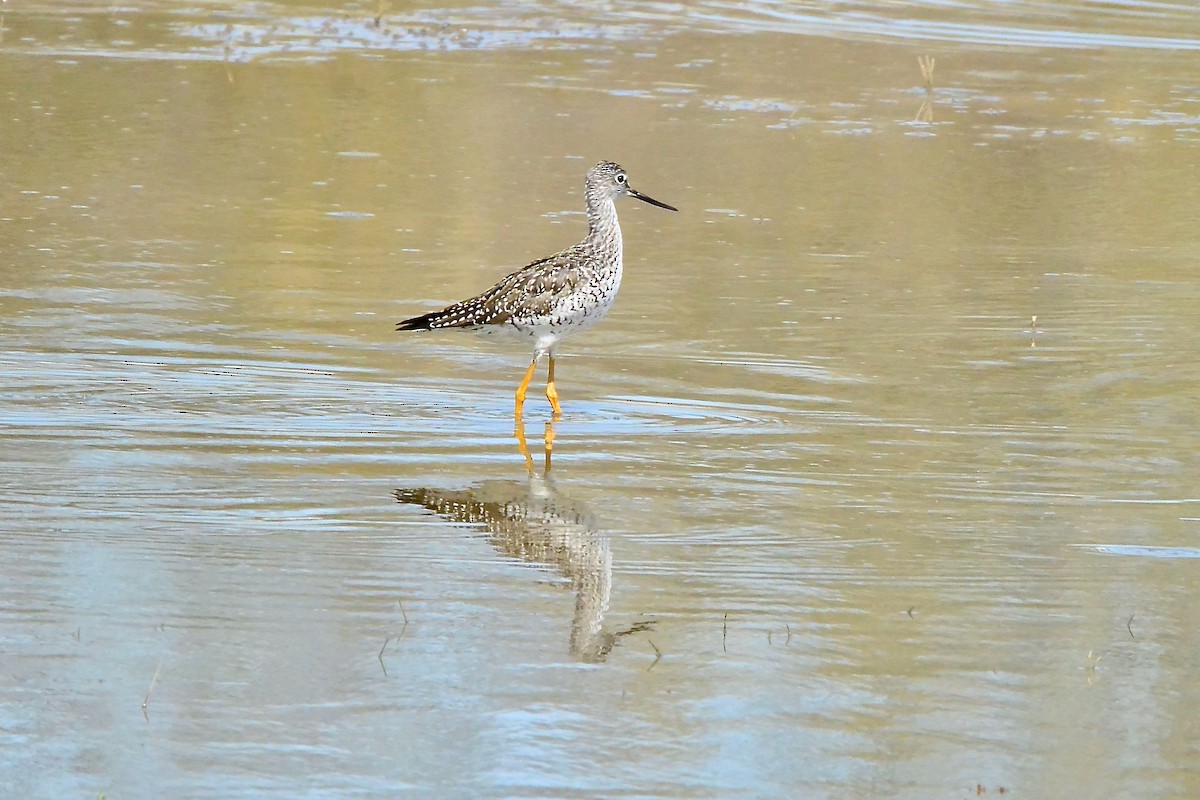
(551,392)
(523,387)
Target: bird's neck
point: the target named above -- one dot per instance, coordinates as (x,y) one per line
(603,228)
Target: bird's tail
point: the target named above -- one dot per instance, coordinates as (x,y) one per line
(425,322)
(467,314)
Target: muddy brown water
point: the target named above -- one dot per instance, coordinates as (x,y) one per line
(880,480)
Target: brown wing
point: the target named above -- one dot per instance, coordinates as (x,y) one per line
(533,290)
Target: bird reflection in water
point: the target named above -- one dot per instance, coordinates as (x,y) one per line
(534,522)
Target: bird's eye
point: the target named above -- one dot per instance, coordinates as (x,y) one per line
(620,178)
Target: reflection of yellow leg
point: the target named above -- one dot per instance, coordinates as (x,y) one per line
(549,440)
(519,432)
(551,392)
(523,387)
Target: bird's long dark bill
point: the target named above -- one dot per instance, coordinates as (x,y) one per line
(650,200)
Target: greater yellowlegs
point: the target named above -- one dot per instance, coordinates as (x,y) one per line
(556,296)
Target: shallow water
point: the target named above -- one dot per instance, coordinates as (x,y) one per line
(879,480)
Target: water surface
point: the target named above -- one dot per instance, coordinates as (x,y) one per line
(879,480)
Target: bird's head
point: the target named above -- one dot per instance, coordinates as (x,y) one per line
(608,181)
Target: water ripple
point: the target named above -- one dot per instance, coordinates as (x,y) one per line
(267,30)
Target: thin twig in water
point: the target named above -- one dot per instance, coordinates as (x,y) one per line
(925,112)
(788,640)
(1129,626)
(399,636)
(657,656)
(1090,669)
(724,630)
(382,666)
(927,63)
(146,699)
(382,9)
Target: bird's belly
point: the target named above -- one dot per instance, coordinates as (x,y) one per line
(574,313)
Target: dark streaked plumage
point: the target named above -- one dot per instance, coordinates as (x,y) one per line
(556,296)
